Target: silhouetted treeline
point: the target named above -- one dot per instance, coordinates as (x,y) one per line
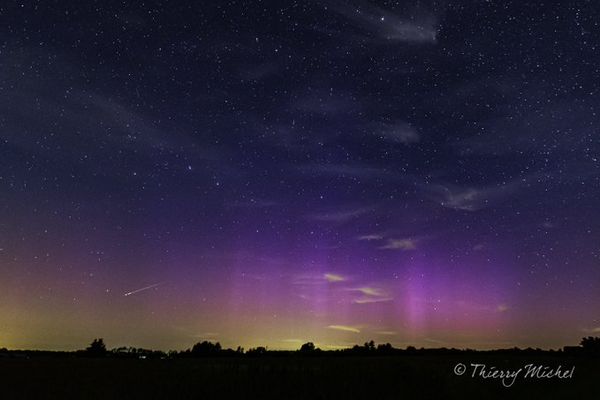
(589,346)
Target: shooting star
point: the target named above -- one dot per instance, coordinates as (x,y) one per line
(142,289)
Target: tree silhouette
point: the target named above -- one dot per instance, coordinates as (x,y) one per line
(307,347)
(385,348)
(591,344)
(96,348)
(258,351)
(206,349)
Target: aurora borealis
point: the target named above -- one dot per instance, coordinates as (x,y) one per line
(267,173)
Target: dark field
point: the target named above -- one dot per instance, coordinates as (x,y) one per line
(325,377)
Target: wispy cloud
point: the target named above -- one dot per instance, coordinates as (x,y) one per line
(334,277)
(292,340)
(91,122)
(370,237)
(502,308)
(344,328)
(592,330)
(370,291)
(400,244)
(318,279)
(398,132)
(559,124)
(386,333)
(468,199)
(371,295)
(387,25)
(369,300)
(339,216)
(473,198)
(548,225)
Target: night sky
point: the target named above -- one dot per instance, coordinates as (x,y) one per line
(274,172)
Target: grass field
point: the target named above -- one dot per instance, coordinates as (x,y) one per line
(324,377)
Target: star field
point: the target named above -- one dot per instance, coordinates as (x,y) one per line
(270,173)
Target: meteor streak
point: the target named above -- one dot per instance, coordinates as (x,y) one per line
(142,289)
